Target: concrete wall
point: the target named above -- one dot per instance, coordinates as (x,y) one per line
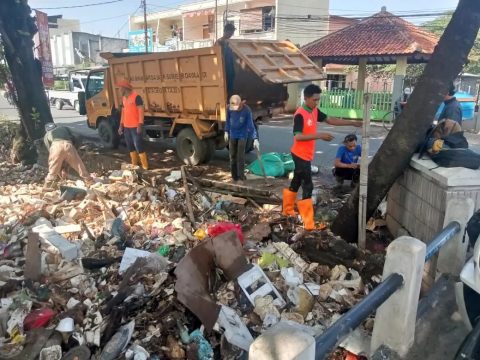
(302,32)
(64,26)
(64,45)
(417,201)
(193,27)
(62,50)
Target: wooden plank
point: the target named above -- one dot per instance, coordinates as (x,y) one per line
(187,197)
(33,258)
(235,188)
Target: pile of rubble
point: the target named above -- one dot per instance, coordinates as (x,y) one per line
(160,268)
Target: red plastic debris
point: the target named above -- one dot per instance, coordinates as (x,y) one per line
(222,227)
(350,356)
(38,319)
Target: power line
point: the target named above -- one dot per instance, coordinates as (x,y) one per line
(128,20)
(80,6)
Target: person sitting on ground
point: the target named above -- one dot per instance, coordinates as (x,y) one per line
(346,161)
(239,128)
(61,142)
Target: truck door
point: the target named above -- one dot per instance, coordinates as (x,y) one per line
(96,98)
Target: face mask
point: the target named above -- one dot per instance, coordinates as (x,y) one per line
(234,107)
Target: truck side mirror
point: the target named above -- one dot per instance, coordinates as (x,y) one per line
(81,102)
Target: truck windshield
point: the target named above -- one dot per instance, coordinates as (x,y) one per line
(95,83)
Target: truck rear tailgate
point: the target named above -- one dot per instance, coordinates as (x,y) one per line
(277,62)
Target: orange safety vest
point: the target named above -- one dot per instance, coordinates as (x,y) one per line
(130,111)
(306,149)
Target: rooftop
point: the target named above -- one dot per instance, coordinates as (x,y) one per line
(380,38)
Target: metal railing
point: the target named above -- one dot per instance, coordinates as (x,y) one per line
(330,338)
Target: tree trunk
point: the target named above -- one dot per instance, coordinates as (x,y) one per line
(410,128)
(17,28)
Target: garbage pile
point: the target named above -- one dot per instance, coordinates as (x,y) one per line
(157,268)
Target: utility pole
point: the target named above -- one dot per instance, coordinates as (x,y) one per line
(363,183)
(216,20)
(144,3)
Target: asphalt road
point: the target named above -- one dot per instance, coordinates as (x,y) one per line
(275,135)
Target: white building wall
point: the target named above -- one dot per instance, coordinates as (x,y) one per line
(62,50)
(301,31)
(193,29)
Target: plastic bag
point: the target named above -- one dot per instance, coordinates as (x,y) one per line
(273,163)
(38,319)
(222,227)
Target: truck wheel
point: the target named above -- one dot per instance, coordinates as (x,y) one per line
(211,148)
(76,105)
(190,149)
(108,135)
(59,104)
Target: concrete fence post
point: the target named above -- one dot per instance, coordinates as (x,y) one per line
(395,320)
(452,256)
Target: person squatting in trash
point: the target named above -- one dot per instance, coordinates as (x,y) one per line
(346,161)
(239,128)
(131,123)
(303,150)
(61,144)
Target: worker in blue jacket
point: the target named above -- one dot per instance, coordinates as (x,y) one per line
(452,109)
(238,129)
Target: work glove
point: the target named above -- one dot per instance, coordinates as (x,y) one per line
(225,136)
(256,144)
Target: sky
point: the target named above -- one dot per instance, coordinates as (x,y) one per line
(112,19)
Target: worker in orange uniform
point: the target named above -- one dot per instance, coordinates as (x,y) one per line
(303,150)
(131,123)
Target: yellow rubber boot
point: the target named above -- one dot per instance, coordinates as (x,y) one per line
(289,198)
(144,160)
(134,158)
(305,208)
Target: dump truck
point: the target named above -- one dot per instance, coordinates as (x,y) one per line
(185,92)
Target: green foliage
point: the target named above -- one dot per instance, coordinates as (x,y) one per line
(36,117)
(437,27)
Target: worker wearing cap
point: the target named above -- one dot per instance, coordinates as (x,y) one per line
(61,142)
(131,123)
(238,128)
(303,151)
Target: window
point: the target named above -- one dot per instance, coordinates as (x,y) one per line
(336,81)
(76,84)
(268,18)
(95,83)
(257,20)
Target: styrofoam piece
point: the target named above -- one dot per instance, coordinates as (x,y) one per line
(65,325)
(129,257)
(255,283)
(283,342)
(236,332)
(68,250)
